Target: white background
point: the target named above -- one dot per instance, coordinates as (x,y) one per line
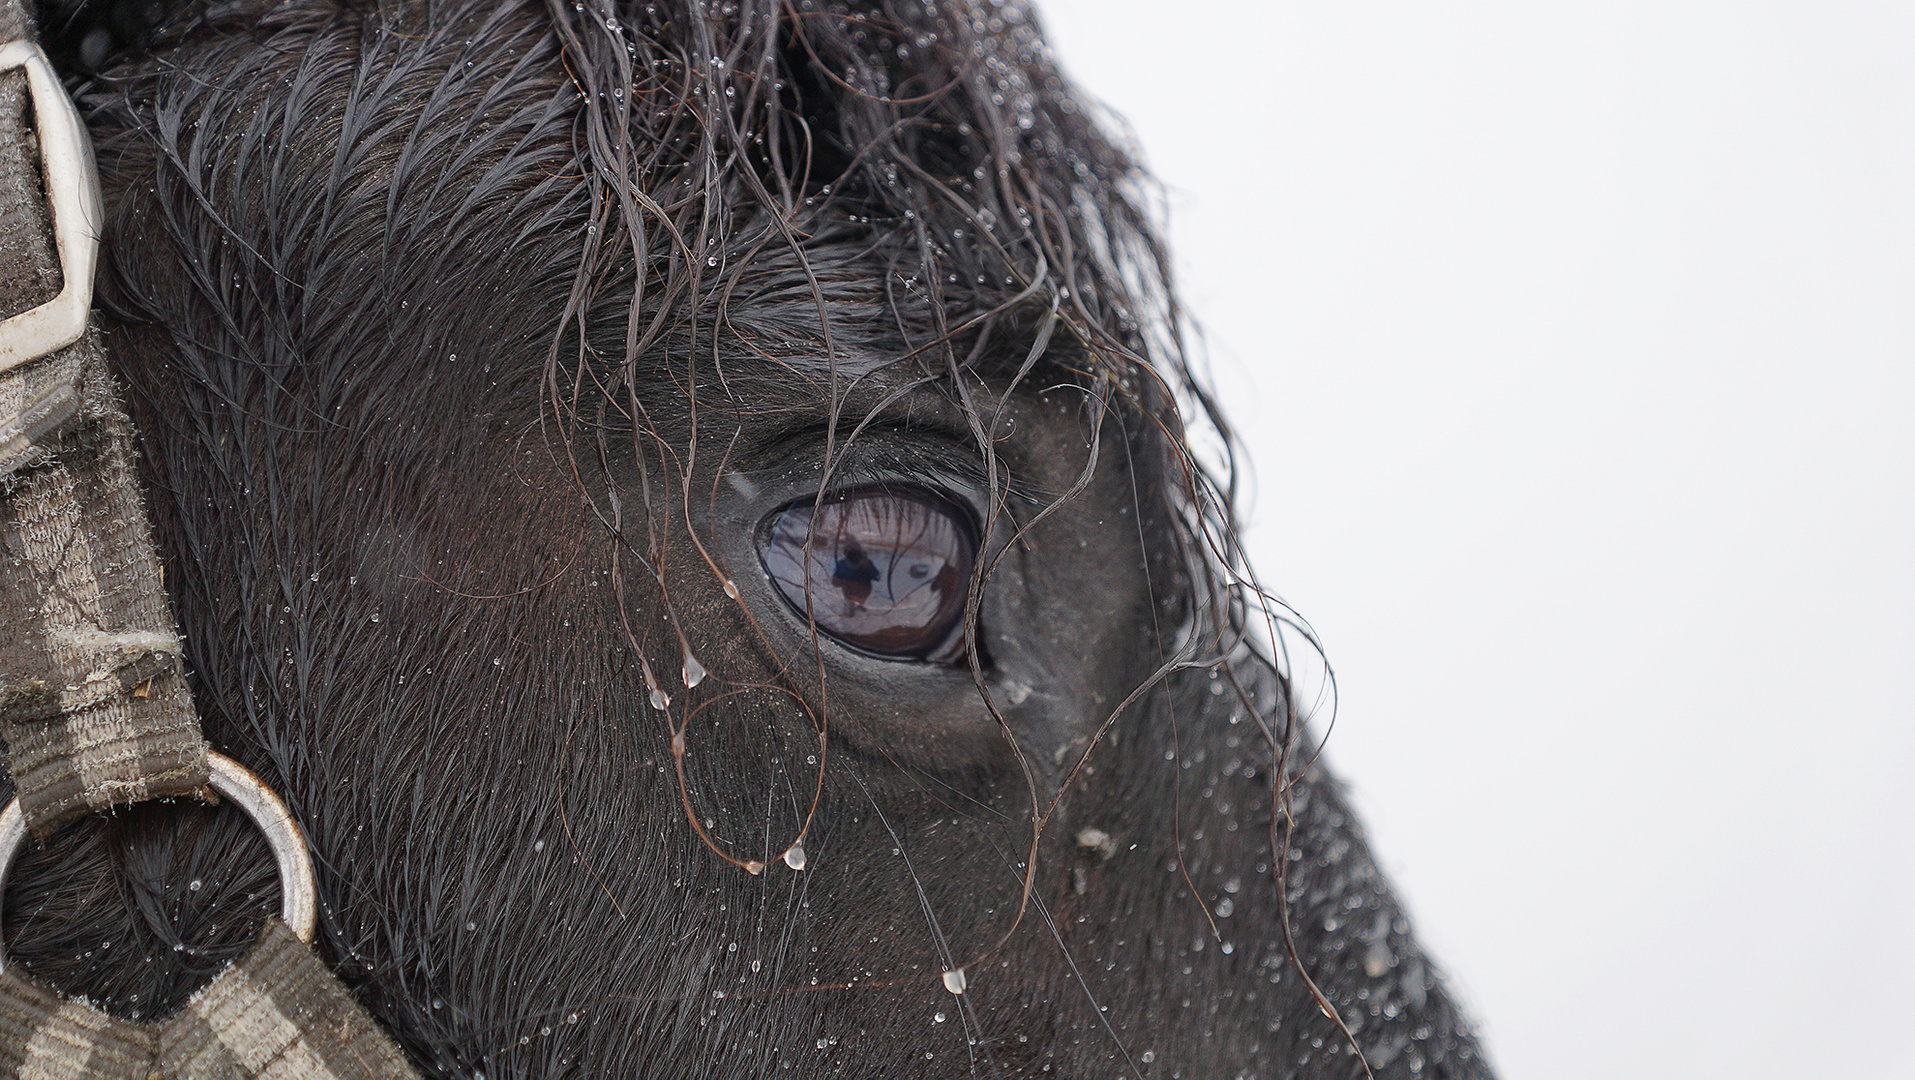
(1574,345)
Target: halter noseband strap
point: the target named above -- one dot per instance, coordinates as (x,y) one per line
(94,706)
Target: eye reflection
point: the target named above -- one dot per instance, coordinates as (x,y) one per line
(887,570)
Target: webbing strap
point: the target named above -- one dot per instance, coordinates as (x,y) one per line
(94,706)
(276,1013)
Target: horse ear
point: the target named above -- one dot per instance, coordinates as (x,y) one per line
(83,36)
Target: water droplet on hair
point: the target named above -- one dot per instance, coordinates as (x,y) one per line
(754,868)
(954,980)
(195,885)
(795,856)
(693,672)
(937,1018)
(660,699)
(731,588)
(538,845)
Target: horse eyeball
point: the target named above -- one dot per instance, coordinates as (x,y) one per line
(884,571)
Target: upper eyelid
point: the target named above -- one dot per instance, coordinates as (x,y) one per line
(886,453)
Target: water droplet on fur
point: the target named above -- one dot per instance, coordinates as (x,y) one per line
(954,980)
(1378,959)
(693,672)
(471,926)
(827,1042)
(754,868)
(375,616)
(937,1018)
(1226,907)
(731,588)
(195,885)
(795,856)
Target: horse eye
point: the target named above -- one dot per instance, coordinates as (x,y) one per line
(886,571)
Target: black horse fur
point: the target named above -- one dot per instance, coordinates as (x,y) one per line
(472,345)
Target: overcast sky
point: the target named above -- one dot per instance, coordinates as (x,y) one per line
(1574,344)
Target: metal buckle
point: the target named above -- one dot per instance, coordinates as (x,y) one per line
(299,898)
(73,189)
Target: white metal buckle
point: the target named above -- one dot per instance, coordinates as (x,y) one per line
(73,189)
(298,895)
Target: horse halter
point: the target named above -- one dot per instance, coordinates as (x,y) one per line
(94,705)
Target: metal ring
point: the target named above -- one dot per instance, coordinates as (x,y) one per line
(299,897)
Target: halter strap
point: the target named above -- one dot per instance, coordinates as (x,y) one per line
(94,706)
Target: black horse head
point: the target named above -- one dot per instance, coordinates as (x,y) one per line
(691,505)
